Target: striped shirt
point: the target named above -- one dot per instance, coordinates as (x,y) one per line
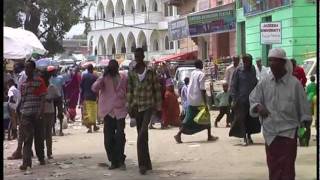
(144,94)
(31,93)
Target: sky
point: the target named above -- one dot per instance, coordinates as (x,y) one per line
(77,29)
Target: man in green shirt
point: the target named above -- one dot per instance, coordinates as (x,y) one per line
(144,97)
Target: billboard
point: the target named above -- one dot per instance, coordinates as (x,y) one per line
(270,33)
(178,29)
(212,22)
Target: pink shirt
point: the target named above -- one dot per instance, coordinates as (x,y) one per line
(112,100)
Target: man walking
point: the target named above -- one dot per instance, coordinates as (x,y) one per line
(144,97)
(33,92)
(112,90)
(261,71)
(230,69)
(299,73)
(243,81)
(281,104)
(89,100)
(196,98)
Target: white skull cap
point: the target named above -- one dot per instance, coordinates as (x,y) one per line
(277,53)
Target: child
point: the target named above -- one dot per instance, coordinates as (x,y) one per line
(311,92)
(222,100)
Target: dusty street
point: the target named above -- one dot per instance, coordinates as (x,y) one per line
(77,155)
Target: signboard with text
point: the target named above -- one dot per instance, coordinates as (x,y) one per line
(178,29)
(212,22)
(270,33)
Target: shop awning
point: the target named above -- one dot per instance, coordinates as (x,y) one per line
(185,56)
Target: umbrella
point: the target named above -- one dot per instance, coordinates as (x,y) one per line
(85,64)
(20,43)
(104,62)
(45,62)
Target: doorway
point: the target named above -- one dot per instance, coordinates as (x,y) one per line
(266,47)
(223,42)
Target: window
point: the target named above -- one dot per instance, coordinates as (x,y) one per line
(178,44)
(156,46)
(132,10)
(143,8)
(255,7)
(155,6)
(219,2)
(166,10)
(166,43)
(171,45)
(193,9)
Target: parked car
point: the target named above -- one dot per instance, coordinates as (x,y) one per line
(310,68)
(181,73)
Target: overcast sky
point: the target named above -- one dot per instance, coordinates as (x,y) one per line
(77,29)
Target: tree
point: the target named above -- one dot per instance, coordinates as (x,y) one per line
(50,20)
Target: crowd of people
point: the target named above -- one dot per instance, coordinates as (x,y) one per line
(253,97)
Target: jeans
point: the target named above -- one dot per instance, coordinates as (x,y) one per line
(114,139)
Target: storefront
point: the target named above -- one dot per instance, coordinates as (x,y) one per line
(200,26)
(262,25)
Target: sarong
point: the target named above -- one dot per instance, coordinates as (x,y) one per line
(189,126)
(90,113)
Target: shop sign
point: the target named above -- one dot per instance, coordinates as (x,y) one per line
(212,22)
(270,33)
(178,29)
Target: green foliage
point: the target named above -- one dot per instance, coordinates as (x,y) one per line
(50,21)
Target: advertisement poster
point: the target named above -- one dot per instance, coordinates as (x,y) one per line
(178,29)
(212,22)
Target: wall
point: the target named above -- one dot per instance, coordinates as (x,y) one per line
(298,30)
(214,46)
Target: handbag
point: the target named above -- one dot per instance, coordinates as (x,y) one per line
(203,117)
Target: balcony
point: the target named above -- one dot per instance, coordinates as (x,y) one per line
(128,19)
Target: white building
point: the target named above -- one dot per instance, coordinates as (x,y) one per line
(120,26)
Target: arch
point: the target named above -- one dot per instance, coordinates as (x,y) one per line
(142,41)
(119,8)
(121,46)
(109,10)
(111,48)
(101,47)
(91,12)
(141,6)
(91,45)
(166,43)
(154,41)
(129,9)
(154,5)
(100,11)
(131,43)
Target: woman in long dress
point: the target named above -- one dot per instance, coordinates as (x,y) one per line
(72,91)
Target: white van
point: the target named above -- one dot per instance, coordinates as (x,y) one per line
(310,68)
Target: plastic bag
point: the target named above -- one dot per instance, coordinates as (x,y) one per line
(203,117)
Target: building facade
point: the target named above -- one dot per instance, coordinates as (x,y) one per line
(298,27)
(120,26)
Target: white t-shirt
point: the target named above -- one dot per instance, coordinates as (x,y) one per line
(16,96)
(197,83)
(263,73)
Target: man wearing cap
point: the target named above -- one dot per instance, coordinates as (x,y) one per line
(281,104)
